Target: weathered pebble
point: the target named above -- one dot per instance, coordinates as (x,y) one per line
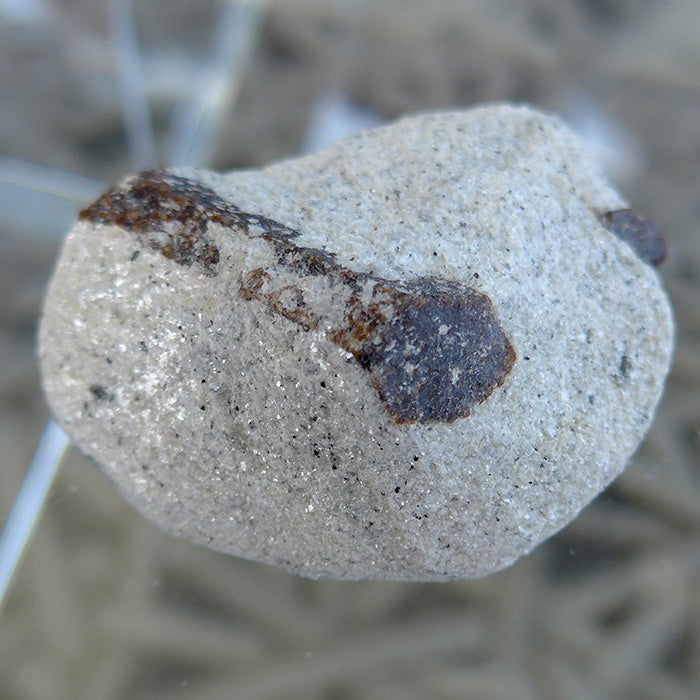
(414,355)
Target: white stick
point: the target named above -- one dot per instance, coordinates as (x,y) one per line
(51,181)
(142,146)
(29,503)
(198,118)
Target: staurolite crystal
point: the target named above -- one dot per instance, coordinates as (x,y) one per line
(413,355)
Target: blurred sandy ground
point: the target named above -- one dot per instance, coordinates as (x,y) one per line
(106,606)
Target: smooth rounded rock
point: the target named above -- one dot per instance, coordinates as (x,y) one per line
(413,355)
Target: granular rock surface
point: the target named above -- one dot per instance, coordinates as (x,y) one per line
(414,355)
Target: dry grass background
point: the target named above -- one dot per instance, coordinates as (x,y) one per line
(106,606)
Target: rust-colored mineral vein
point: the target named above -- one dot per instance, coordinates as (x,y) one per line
(433,347)
(173,213)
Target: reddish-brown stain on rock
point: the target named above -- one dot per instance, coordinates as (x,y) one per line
(432,347)
(648,242)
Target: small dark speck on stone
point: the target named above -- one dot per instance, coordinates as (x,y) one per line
(625,366)
(100,393)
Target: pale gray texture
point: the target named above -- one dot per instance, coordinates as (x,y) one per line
(234,427)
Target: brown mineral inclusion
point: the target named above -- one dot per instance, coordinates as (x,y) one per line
(647,241)
(433,347)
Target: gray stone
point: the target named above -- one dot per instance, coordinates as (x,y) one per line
(414,355)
